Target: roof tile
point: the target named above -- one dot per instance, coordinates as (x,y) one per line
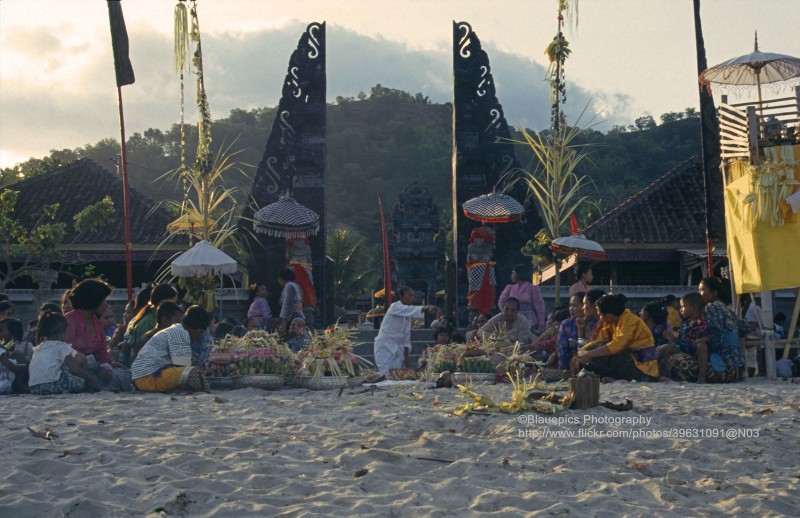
(670,210)
(82,183)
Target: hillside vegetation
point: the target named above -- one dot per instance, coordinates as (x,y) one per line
(381,142)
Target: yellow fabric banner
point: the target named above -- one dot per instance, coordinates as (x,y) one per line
(763,257)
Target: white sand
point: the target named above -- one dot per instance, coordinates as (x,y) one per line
(295,452)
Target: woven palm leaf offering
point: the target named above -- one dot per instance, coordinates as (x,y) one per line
(439,358)
(518,364)
(498,341)
(403,374)
(329,361)
(475,364)
(527,395)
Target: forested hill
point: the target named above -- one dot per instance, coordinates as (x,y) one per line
(381,142)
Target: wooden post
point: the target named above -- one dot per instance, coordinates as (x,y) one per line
(586,392)
(792,323)
(753,134)
(769,335)
(797,99)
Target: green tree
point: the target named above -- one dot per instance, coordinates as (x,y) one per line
(95,216)
(668,117)
(645,123)
(27,249)
(353,264)
(35,166)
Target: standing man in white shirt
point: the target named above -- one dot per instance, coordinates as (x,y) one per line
(393,343)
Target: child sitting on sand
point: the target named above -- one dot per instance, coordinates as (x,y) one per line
(168,314)
(567,343)
(11,335)
(655,316)
(544,348)
(57,368)
(166,360)
(13,376)
(298,335)
(694,336)
(696,355)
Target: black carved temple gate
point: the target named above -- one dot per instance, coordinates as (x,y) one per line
(415,248)
(294,161)
(483,161)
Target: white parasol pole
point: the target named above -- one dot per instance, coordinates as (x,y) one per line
(758,82)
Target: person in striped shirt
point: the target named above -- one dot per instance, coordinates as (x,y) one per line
(165,361)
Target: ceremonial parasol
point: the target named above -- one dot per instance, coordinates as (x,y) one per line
(287,219)
(381,293)
(585,248)
(203,259)
(756,68)
(188,222)
(493,208)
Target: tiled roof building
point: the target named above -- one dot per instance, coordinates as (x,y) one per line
(669,210)
(82,183)
(656,235)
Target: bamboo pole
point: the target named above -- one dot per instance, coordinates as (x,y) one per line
(792,325)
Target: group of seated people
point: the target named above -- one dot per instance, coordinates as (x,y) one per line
(694,338)
(159,346)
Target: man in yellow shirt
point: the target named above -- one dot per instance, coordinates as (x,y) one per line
(625,348)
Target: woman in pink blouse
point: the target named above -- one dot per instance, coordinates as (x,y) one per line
(531,303)
(85,331)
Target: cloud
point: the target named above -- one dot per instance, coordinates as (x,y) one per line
(36,44)
(242,70)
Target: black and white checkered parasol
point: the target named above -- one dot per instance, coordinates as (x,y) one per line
(493,208)
(287,219)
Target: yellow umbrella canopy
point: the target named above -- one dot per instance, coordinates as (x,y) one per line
(380,293)
(188,222)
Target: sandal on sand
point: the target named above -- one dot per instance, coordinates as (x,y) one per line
(619,407)
(197,382)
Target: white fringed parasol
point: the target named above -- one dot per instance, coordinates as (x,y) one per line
(203,259)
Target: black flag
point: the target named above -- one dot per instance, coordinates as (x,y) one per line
(710,144)
(119,42)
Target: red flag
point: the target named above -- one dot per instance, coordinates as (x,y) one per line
(573,224)
(387,268)
(119,43)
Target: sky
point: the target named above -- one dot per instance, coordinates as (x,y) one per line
(629,58)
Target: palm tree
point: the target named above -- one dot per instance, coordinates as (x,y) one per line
(353,265)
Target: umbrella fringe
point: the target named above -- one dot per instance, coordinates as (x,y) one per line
(202,270)
(286,233)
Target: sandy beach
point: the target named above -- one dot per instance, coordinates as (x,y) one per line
(387,453)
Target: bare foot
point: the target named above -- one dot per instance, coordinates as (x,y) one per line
(606,380)
(664,379)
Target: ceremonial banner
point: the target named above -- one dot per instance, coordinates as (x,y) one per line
(763,237)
